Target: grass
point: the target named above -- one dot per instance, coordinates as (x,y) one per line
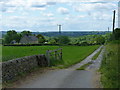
(84,66)
(71,54)
(96,55)
(12,52)
(75,54)
(110,68)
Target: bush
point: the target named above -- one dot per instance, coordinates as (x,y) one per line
(117,34)
(84,44)
(63,40)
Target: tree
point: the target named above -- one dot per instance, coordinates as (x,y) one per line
(99,39)
(84,43)
(52,41)
(64,40)
(117,34)
(41,38)
(12,35)
(26,33)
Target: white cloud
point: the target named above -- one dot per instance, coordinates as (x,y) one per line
(98,10)
(101,16)
(21,22)
(81,16)
(40,4)
(67,18)
(48,14)
(63,10)
(94,6)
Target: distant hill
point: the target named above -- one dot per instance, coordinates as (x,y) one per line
(71,34)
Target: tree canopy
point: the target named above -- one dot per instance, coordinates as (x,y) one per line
(41,38)
(63,39)
(12,35)
(26,33)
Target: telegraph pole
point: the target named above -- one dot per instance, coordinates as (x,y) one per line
(114,20)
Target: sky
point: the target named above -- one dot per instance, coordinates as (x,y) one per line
(45,15)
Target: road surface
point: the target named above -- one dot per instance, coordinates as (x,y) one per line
(67,78)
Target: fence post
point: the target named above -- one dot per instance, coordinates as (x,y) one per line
(56,54)
(48,57)
(61,53)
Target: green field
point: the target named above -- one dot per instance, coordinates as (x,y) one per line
(110,67)
(71,54)
(12,52)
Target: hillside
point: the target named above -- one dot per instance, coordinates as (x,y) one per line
(71,34)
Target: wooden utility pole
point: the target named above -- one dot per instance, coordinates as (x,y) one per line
(114,20)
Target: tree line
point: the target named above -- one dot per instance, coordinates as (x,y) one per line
(13,35)
(82,40)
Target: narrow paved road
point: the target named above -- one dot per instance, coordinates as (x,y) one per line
(67,78)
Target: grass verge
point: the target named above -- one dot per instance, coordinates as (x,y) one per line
(110,68)
(84,66)
(96,55)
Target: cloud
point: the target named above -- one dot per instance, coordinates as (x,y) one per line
(38,5)
(63,10)
(22,22)
(43,4)
(48,14)
(101,16)
(94,6)
(6,5)
(78,14)
(51,3)
(81,16)
(11,5)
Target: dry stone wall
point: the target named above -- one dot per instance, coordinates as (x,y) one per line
(15,67)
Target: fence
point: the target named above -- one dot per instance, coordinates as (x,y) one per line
(53,55)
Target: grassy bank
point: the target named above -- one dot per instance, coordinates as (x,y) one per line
(110,67)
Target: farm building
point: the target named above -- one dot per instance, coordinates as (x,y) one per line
(13,42)
(28,39)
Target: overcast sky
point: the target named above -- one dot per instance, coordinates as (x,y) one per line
(44,15)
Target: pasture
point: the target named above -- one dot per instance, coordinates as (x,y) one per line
(71,54)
